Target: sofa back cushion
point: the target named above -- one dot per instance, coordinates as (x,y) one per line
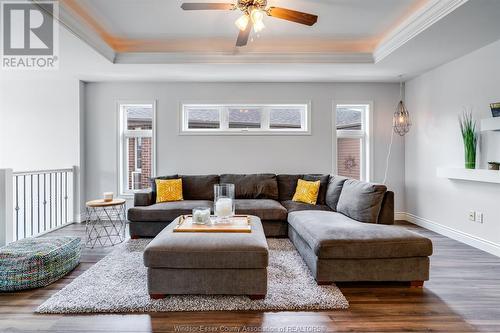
(153,184)
(386,215)
(361,201)
(252,186)
(287,185)
(333,191)
(323,181)
(199,187)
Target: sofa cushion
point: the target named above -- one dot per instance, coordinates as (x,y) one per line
(266,209)
(168,190)
(293,206)
(361,201)
(332,235)
(153,184)
(208,250)
(333,191)
(165,211)
(307,191)
(199,187)
(323,180)
(287,185)
(253,186)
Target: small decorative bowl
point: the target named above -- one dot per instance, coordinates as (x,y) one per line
(201,215)
(493,166)
(495,109)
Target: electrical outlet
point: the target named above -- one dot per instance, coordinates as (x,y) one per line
(479,217)
(472,216)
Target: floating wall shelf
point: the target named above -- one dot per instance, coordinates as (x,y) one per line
(476,175)
(490,124)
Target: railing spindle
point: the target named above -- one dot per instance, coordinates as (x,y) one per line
(44,201)
(31,205)
(50,200)
(66,196)
(38,200)
(24,206)
(61,198)
(17,207)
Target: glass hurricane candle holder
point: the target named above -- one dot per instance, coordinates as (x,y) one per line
(201,215)
(223,201)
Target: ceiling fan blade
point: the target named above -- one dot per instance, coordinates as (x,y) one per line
(207,6)
(292,15)
(244,35)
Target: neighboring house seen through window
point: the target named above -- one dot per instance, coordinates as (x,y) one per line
(352,128)
(245,119)
(136,146)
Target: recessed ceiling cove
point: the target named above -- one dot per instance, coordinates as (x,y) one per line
(321,31)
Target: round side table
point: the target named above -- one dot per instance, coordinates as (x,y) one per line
(105,222)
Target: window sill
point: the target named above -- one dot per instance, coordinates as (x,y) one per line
(243,133)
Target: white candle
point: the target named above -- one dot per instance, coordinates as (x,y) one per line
(108,196)
(224,207)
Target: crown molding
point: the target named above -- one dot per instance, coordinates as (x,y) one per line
(240,58)
(85,33)
(422,19)
(419,21)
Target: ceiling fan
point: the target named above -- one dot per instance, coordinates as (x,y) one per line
(253,11)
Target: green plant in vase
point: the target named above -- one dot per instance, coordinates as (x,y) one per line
(469,134)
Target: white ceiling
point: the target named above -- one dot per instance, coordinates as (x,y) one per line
(152,19)
(413,48)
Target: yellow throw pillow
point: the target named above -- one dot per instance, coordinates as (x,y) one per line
(168,190)
(306,191)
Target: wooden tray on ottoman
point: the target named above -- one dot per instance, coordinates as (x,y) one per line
(238,223)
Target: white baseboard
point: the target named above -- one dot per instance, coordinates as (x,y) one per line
(79,218)
(474,241)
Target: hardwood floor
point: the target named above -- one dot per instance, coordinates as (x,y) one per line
(463,295)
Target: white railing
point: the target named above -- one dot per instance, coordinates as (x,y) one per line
(35,202)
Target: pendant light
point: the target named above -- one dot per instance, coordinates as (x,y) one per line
(400,124)
(401,120)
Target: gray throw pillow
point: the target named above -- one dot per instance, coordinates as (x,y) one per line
(361,201)
(333,191)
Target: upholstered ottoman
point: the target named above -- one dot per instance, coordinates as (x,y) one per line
(181,263)
(37,262)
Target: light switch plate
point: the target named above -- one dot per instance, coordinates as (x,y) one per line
(472,215)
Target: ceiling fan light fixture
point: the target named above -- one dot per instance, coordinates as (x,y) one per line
(242,22)
(258,26)
(256,14)
(257,17)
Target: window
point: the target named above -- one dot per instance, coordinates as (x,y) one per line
(353,153)
(136,146)
(245,119)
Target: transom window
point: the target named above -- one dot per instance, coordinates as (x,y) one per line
(244,118)
(353,153)
(136,146)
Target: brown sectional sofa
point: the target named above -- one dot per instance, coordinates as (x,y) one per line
(346,236)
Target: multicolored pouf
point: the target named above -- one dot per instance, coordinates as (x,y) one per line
(37,262)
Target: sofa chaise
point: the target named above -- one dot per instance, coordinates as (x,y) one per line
(347,236)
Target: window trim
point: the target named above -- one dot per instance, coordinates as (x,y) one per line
(121,162)
(224,123)
(366,170)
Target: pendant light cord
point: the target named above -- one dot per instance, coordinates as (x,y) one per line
(388,158)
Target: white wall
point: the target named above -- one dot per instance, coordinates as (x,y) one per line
(435,100)
(235,154)
(39,124)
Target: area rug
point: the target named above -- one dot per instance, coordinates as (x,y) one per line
(117,283)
